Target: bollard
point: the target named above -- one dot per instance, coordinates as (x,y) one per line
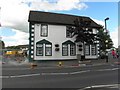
(79,62)
(33,65)
(60,64)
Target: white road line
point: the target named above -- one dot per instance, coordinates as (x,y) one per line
(4,77)
(107,69)
(80,72)
(15,68)
(54,73)
(26,75)
(104,70)
(115,68)
(100,86)
(70,73)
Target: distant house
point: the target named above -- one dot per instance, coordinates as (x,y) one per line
(23,47)
(49,38)
(2,46)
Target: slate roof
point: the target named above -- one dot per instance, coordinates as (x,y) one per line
(55,18)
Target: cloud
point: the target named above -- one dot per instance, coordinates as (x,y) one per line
(100,22)
(119,35)
(114,37)
(14,13)
(20,38)
(59,5)
(113,34)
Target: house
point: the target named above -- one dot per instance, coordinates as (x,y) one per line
(2,47)
(23,47)
(49,38)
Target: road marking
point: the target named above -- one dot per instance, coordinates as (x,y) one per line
(107,69)
(27,75)
(80,72)
(100,86)
(4,77)
(115,68)
(15,68)
(104,70)
(70,73)
(54,73)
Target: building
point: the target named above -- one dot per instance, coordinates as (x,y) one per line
(2,47)
(50,40)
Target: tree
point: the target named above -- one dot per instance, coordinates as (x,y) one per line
(105,40)
(83,32)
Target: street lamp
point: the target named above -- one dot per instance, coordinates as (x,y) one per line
(105,22)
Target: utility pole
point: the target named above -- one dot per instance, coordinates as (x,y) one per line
(106,52)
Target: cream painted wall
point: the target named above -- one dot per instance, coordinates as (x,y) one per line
(56,35)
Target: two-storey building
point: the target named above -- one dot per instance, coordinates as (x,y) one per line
(49,38)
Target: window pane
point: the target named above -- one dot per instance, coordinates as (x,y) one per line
(72,50)
(39,45)
(87,50)
(65,50)
(44,30)
(48,50)
(39,50)
(93,50)
(68,34)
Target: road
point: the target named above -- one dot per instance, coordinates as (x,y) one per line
(59,77)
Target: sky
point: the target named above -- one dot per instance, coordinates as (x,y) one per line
(14,16)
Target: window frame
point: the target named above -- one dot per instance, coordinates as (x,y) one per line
(95,50)
(50,50)
(74,50)
(37,49)
(68,33)
(63,50)
(41,31)
(88,50)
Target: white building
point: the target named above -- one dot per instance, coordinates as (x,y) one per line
(50,39)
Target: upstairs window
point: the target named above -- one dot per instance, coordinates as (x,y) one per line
(68,33)
(44,30)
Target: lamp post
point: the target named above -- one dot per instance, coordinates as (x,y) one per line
(106,42)
(105,22)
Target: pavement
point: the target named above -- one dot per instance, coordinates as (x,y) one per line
(74,63)
(77,63)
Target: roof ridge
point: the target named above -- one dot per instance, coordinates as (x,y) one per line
(59,13)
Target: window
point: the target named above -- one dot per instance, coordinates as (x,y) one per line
(87,49)
(48,50)
(44,30)
(39,49)
(68,33)
(68,48)
(43,48)
(93,49)
(65,50)
(72,50)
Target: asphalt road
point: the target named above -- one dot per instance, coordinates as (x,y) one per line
(59,77)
